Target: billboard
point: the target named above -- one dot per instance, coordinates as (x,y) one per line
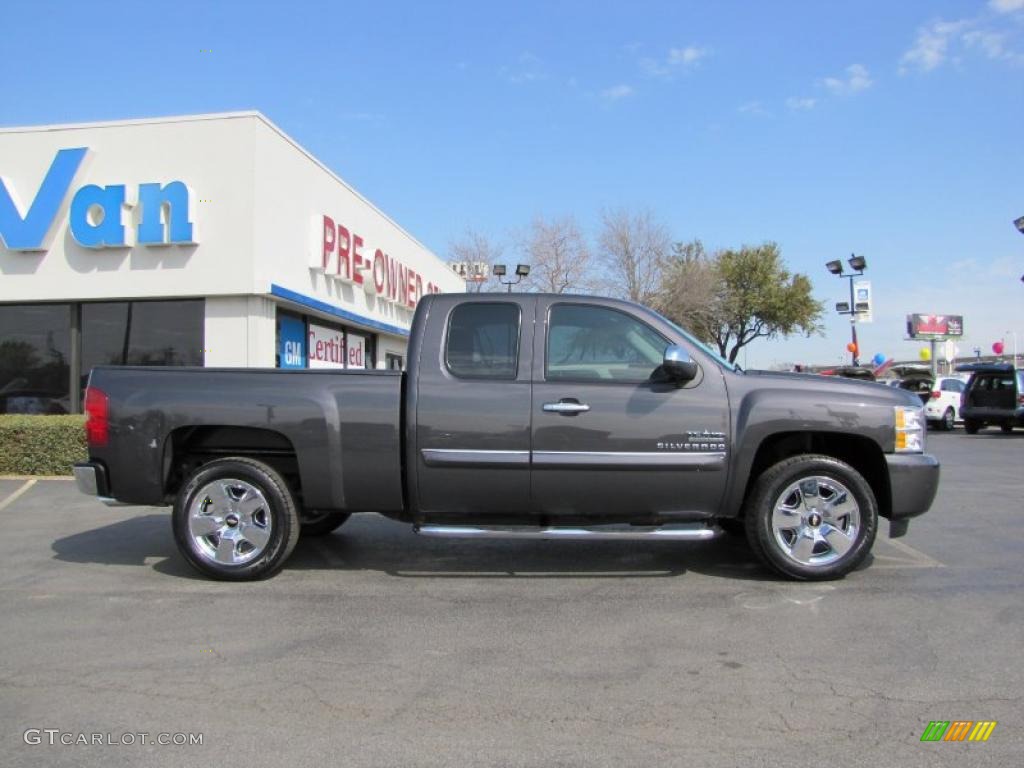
(935,326)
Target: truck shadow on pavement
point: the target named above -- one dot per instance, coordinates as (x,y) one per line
(374,543)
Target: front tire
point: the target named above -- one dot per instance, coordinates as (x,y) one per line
(811,518)
(971,426)
(235,519)
(1007,428)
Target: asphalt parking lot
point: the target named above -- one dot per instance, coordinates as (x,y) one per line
(378,648)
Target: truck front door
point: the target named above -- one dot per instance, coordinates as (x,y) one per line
(610,443)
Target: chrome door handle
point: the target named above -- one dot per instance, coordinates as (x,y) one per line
(564,407)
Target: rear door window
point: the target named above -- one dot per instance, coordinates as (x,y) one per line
(483,341)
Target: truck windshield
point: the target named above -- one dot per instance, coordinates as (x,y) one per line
(699,344)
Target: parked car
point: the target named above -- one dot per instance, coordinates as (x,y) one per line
(942,408)
(994,396)
(519,416)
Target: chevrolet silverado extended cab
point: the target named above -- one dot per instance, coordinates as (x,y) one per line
(538,416)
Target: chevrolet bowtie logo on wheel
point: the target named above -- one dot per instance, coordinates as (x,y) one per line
(958,730)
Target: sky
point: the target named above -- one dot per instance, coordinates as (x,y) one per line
(890,130)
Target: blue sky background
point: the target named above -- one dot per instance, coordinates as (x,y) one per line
(893,130)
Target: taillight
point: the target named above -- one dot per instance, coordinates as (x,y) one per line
(1020,399)
(936,395)
(97,421)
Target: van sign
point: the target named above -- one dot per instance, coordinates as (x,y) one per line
(97,215)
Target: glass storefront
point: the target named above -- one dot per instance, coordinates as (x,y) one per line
(47,350)
(305,342)
(35,345)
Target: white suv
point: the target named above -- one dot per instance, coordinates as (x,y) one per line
(942,408)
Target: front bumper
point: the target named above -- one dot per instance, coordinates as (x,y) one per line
(914,479)
(91,479)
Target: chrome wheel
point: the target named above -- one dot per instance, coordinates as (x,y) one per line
(815,521)
(229,521)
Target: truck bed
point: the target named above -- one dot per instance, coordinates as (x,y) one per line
(338,430)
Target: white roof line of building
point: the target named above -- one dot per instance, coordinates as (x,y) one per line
(222,116)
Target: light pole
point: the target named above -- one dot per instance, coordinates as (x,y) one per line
(522,270)
(858,264)
(1019,224)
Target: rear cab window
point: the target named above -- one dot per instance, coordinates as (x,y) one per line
(483,340)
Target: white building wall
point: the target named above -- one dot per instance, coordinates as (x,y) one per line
(257,207)
(293,194)
(212,155)
(240,331)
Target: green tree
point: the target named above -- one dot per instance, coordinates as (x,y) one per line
(733,297)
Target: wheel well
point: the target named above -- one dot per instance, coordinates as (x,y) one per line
(190,447)
(861,453)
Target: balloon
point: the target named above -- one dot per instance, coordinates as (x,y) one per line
(998,347)
(851,348)
(925,353)
(878,359)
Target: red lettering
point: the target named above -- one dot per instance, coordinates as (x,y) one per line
(410,294)
(419,288)
(392,278)
(344,252)
(319,350)
(357,260)
(330,235)
(403,282)
(380,270)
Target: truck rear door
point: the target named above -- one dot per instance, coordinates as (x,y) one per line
(608,442)
(472,409)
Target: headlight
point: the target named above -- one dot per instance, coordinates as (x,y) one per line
(910,429)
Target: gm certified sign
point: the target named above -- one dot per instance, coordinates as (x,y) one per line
(97,214)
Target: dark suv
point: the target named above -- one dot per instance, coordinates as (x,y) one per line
(994,395)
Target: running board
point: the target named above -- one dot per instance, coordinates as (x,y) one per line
(675,533)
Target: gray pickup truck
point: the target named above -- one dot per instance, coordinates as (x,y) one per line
(532,416)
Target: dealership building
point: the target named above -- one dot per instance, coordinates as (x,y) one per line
(209,240)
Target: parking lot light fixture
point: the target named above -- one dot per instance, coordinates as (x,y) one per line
(858,264)
(522,270)
(1019,224)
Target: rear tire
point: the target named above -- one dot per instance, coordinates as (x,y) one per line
(322,524)
(235,519)
(811,518)
(971,426)
(948,420)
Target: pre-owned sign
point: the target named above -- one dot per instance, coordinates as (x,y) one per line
(342,253)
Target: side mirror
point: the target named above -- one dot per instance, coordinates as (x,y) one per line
(678,364)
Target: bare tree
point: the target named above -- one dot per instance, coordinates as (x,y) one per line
(690,289)
(558,255)
(476,248)
(633,248)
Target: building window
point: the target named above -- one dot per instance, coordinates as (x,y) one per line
(393,362)
(35,342)
(39,372)
(142,333)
